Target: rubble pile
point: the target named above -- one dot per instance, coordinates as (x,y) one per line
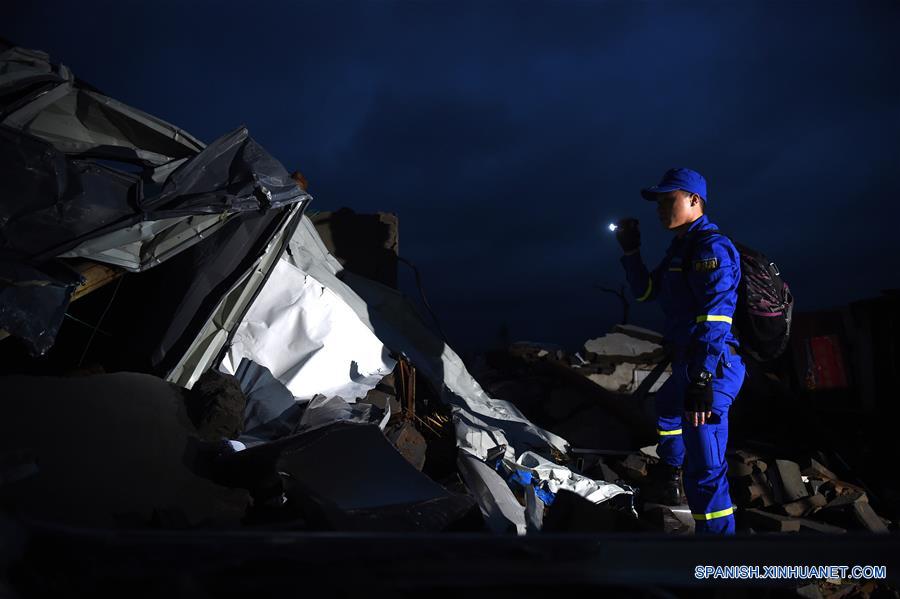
(608,416)
(182,285)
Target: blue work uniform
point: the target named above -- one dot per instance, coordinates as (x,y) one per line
(698,294)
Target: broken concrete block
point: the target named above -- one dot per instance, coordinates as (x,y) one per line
(839,487)
(815,485)
(866,516)
(791,480)
(817,470)
(215,404)
(848,498)
(626,377)
(764,488)
(761,520)
(634,467)
(744,456)
(608,474)
(409,442)
(747,492)
(382,400)
(624,348)
(852,510)
(650,451)
(738,468)
(803,506)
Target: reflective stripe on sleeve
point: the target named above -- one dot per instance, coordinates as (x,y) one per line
(649,289)
(714,318)
(714,515)
(677,431)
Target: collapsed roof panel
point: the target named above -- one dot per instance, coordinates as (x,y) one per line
(46,101)
(53,204)
(82,175)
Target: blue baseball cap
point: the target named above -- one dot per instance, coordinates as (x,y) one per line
(678,178)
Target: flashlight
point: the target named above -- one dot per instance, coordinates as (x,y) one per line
(613,227)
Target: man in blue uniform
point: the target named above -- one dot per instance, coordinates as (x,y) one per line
(696,285)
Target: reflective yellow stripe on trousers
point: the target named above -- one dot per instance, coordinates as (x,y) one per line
(713,515)
(677,431)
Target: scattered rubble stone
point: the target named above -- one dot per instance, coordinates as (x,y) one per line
(409,442)
(867,517)
(634,467)
(790,479)
(622,347)
(817,470)
(215,405)
(803,506)
(770,522)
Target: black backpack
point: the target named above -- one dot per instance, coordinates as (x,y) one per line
(762,317)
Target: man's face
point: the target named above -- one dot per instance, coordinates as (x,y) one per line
(674,209)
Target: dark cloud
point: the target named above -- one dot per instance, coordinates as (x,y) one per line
(506,135)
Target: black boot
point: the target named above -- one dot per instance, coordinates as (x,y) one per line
(663,484)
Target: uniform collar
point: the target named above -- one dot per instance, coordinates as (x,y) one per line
(701,224)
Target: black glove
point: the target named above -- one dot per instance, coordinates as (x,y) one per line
(628,234)
(699,398)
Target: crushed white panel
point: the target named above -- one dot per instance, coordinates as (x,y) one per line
(309,338)
(534,510)
(205,348)
(150,243)
(500,508)
(559,477)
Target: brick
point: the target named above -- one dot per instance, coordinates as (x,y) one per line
(848,498)
(817,470)
(802,507)
(791,480)
(866,516)
(737,467)
(746,457)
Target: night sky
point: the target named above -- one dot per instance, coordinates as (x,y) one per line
(506,135)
